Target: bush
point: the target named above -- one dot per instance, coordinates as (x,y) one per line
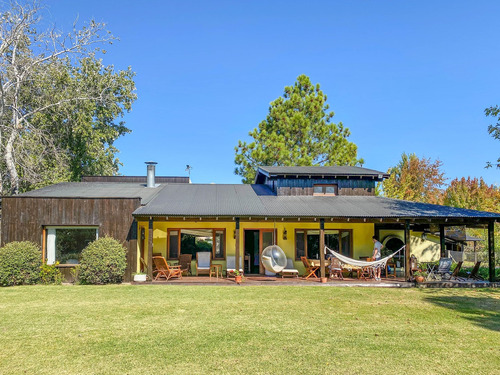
(102,262)
(20,263)
(50,274)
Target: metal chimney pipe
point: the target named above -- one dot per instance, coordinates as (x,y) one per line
(151,174)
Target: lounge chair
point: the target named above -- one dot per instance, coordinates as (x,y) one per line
(185,263)
(289,270)
(163,269)
(473,274)
(310,270)
(336,269)
(203,262)
(443,269)
(454,275)
(231,266)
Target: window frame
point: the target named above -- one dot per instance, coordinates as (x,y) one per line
(49,254)
(351,250)
(324,193)
(214,231)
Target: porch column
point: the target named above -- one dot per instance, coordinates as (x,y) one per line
(491,250)
(442,241)
(407,250)
(322,247)
(150,249)
(237,245)
(131,251)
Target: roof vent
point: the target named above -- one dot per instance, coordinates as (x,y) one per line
(151,174)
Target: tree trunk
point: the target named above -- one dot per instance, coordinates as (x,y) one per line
(11,166)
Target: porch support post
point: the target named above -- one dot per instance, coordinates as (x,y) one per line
(491,250)
(237,245)
(442,241)
(407,250)
(150,249)
(322,247)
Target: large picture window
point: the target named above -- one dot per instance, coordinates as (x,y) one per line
(65,244)
(192,241)
(307,242)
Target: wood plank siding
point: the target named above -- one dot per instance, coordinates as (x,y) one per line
(23,219)
(299,186)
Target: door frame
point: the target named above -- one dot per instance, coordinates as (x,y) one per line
(261,231)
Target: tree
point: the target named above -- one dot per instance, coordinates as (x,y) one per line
(58,102)
(473,194)
(494,130)
(414,179)
(297,131)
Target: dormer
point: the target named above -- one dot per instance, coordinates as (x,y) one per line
(320,181)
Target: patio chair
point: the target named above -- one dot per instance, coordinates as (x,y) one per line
(336,269)
(390,270)
(289,270)
(443,269)
(413,264)
(203,262)
(163,269)
(231,266)
(185,263)
(473,274)
(310,270)
(454,275)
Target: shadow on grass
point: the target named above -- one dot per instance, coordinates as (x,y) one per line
(483,308)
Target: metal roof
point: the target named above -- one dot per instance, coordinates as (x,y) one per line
(259,201)
(320,171)
(97,190)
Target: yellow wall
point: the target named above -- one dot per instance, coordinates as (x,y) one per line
(362,236)
(428,250)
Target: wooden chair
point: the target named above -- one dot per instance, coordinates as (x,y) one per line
(203,262)
(289,270)
(310,270)
(185,263)
(413,264)
(388,267)
(454,275)
(336,269)
(231,266)
(163,269)
(473,275)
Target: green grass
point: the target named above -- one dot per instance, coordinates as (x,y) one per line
(158,329)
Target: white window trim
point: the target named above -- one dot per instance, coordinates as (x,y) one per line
(51,239)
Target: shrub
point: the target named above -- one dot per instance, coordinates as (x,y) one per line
(102,262)
(20,263)
(50,274)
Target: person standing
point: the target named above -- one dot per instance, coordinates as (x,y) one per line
(377,254)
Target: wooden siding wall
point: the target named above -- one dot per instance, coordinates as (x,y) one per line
(299,186)
(24,217)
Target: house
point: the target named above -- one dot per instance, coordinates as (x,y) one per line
(301,209)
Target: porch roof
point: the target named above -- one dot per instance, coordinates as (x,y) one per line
(210,200)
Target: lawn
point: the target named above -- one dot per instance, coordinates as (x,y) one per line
(158,329)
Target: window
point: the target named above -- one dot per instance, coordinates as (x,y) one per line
(191,241)
(307,242)
(325,190)
(65,244)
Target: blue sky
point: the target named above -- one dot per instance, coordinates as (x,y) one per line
(403,76)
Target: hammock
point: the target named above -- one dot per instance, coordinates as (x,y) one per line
(361,263)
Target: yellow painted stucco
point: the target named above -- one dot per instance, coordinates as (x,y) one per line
(427,250)
(362,236)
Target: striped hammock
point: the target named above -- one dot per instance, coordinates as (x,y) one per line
(361,263)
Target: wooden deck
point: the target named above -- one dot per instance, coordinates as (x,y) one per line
(258,280)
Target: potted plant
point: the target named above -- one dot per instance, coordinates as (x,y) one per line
(420,276)
(237,277)
(140,277)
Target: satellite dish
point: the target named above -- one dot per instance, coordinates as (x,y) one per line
(273,259)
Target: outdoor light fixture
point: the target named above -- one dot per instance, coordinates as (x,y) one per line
(285,234)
